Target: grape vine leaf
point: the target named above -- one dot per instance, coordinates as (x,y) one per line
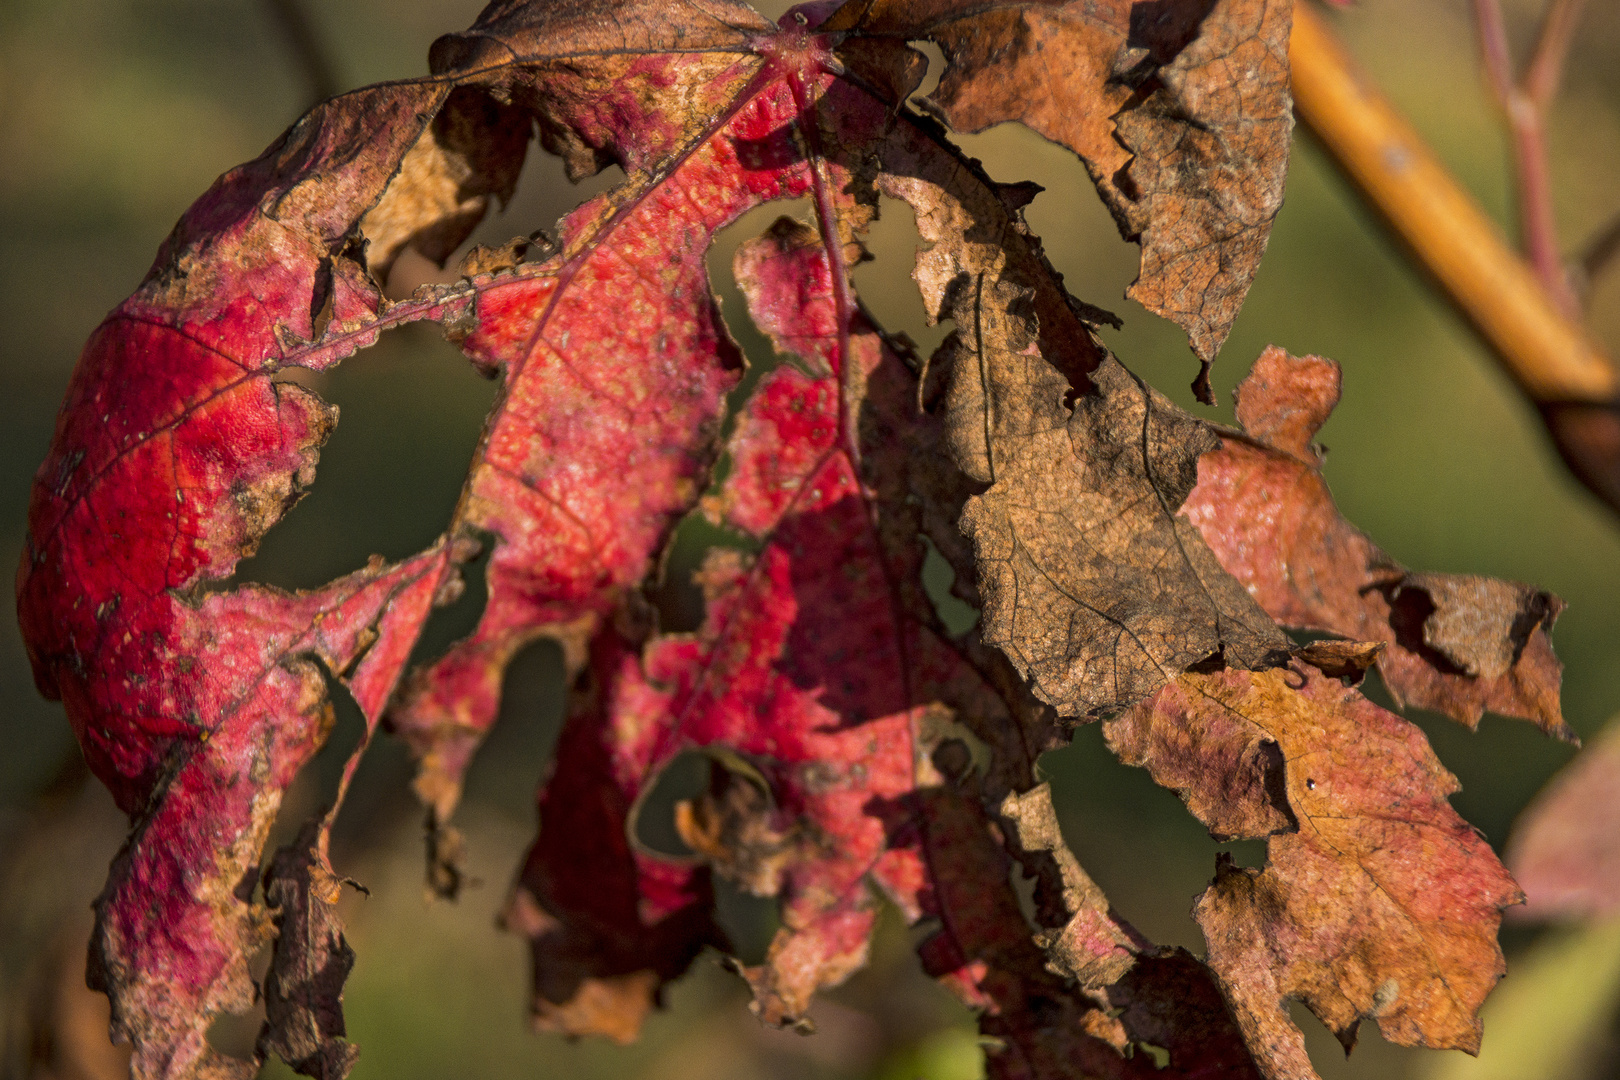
(859,746)
(1457,644)
(1187,142)
(829,698)
(1377,900)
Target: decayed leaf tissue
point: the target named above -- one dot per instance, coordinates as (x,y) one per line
(1134,564)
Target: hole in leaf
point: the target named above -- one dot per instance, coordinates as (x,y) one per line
(1135,839)
(314,788)
(1160,1056)
(749,921)
(756,347)
(884,285)
(378,799)
(1023,886)
(543,196)
(685,778)
(676,596)
(521,746)
(1249,853)
(937,577)
(234,1034)
(412,410)
(1083,244)
(936,68)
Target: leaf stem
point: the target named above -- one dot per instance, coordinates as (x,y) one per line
(838,270)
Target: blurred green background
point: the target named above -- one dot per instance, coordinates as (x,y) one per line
(119,112)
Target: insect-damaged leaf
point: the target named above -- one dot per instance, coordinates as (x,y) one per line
(816,676)
(1454,643)
(864,748)
(1377,899)
(1187,141)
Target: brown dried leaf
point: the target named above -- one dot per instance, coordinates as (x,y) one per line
(1455,643)
(303,992)
(1377,900)
(1209,125)
(1186,136)
(1092,584)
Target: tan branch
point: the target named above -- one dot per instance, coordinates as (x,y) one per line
(1558,364)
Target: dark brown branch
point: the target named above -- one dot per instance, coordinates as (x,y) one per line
(1598,253)
(307,53)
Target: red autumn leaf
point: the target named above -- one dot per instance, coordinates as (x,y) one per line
(866,749)
(1377,899)
(1454,643)
(807,665)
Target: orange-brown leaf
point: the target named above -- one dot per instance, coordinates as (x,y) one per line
(1180,111)
(1455,643)
(1377,900)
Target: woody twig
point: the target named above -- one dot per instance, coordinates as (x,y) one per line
(1525,310)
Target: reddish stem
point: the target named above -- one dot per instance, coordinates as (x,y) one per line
(1546,68)
(1525,103)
